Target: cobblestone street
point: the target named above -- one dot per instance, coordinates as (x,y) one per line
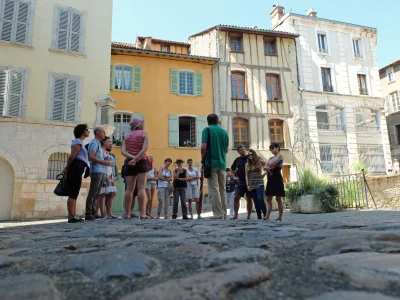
(349,255)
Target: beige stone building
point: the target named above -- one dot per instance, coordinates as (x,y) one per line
(54,68)
(255,86)
(340,89)
(390,82)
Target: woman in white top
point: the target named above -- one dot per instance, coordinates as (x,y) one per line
(150,187)
(164,180)
(193,189)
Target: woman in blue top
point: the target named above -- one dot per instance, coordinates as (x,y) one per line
(76,164)
(275,187)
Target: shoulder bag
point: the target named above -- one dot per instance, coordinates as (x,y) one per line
(207,168)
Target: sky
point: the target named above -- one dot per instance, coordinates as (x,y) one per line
(178,19)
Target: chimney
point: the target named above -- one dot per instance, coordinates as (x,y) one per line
(276,14)
(147,43)
(312,13)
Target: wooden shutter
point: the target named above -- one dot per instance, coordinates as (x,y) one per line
(199,84)
(21,33)
(63,29)
(136,79)
(71,101)
(173,130)
(58,98)
(112,77)
(200,125)
(174,81)
(75,32)
(15,94)
(3,91)
(7,21)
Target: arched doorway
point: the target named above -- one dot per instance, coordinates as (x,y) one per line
(6,188)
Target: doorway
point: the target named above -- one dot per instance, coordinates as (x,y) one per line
(6,188)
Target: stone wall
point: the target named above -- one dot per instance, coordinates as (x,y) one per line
(386,192)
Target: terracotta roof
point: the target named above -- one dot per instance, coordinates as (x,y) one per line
(248,30)
(141,38)
(132,47)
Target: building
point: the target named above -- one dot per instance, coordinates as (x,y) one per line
(255,86)
(391,92)
(54,68)
(340,88)
(171,89)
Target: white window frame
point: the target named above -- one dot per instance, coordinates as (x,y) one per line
(121,112)
(342,115)
(333,79)
(78,109)
(189,116)
(194,86)
(390,70)
(23,103)
(53,46)
(32,5)
(334,148)
(123,81)
(326,33)
(374,113)
(367,81)
(362,50)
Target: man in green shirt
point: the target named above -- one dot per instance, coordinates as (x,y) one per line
(219,142)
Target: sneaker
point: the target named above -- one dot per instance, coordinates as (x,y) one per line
(90,218)
(174,217)
(200,218)
(186,218)
(79,219)
(73,220)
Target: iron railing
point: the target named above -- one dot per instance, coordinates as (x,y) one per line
(330,127)
(352,190)
(328,88)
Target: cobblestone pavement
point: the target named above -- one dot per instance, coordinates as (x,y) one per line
(350,255)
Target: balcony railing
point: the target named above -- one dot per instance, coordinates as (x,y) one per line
(363,91)
(366,128)
(328,88)
(330,127)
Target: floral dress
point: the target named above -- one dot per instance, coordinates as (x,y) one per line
(109,182)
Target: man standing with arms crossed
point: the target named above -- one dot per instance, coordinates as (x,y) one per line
(218,147)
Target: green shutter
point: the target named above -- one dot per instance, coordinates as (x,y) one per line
(174,81)
(173,130)
(201,123)
(136,79)
(112,77)
(199,84)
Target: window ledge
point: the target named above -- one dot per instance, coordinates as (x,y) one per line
(187,95)
(275,101)
(244,99)
(324,54)
(276,55)
(392,82)
(358,58)
(125,91)
(52,50)
(234,51)
(13,44)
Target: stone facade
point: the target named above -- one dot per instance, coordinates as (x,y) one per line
(386,191)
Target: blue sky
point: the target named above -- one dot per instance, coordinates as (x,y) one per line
(178,19)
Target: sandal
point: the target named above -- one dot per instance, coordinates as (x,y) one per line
(279,219)
(127,217)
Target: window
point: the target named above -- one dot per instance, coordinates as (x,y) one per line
(123,77)
(390,75)
(126,78)
(273,92)
(322,43)
(357,48)
(56,164)
(329,118)
(11,92)
(69,30)
(187,131)
(238,85)
(15,21)
(276,132)
(183,129)
(367,120)
(269,46)
(326,80)
(65,98)
(362,84)
(394,103)
(334,158)
(186,83)
(235,42)
(122,127)
(394,134)
(373,158)
(240,133)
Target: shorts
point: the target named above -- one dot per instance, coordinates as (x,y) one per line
(241,190)
(150,185)
(141,166)
(192,191)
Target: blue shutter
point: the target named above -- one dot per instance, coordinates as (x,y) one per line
(173,130)
(200,125)
(174,81)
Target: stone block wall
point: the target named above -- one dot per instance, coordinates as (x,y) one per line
(386,192)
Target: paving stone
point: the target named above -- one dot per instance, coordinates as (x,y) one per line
(237,255)
(366,270)
(7,261)
(267,233)
(110,263)
(216,283)
(346,295)
(204,229)
(31,286)
(84,234)
(194,250)
(341,244)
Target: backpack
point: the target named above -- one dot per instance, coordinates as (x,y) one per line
(87,148)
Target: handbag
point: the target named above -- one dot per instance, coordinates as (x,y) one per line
(207,168)
(61,188)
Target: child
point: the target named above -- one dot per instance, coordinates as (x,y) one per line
(230,191)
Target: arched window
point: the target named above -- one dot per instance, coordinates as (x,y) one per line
(240,132)
(276,132)
(330,118)
(57,163)
(367,120)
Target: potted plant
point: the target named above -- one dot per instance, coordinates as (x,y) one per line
(118,143)
(189,144)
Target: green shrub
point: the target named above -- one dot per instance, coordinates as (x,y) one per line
(329,197)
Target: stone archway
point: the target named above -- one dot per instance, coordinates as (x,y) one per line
(14,161)
(7,176)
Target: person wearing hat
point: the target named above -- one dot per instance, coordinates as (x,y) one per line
(181,178)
